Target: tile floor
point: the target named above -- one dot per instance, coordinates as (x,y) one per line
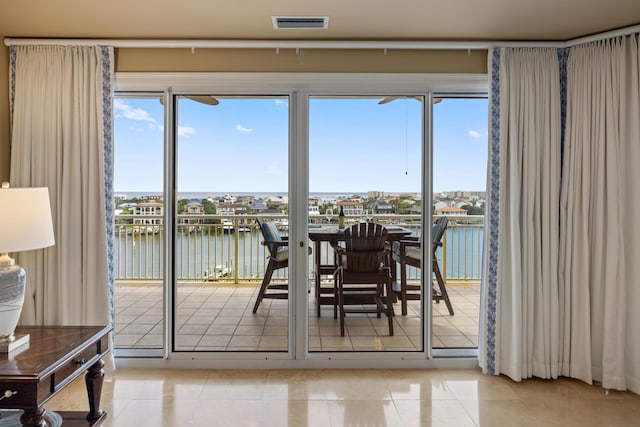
(219,318)
(335,398)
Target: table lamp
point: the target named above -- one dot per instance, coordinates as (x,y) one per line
(25,224)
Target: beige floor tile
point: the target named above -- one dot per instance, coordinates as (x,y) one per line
(273,342)
(190,329)
(362,331)
(214,341)
(221,330)
(396,342)
(336,343)
(226,310)
(385,397)
(228,320)
(275,330)
(364,413)
(452,341)
(420,413)
(127,340)
(232,312)
(249,330)
(366,343)
(150,341)
(245,341)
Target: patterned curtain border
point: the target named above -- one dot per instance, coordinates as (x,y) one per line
(563,56)
(494,214)
(13,52)
(106,55)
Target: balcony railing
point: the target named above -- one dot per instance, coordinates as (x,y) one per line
(217,248)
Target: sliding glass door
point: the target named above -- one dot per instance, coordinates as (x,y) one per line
(211,185)
(140,234)
(460,149)
(365,161)
(231,170)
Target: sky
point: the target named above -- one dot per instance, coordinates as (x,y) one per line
(355,145)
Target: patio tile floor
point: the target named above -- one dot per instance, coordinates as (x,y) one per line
(218,317)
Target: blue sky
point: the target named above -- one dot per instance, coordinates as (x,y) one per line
(355,145)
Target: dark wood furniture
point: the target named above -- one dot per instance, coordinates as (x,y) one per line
(56,356)
(331,234)
(278,246)
(363,273)
(408,252)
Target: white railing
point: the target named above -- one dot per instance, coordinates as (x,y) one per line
(209,249)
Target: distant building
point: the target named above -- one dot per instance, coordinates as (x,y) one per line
(375,194)
(463,194)
(355,198)
(451,211)
(228,199)
(258,205)
(276,201)
(245,200)
(440,204)
(195,209)
(350,208)
(414,210)
(382,207)
(232,209)
(148,209)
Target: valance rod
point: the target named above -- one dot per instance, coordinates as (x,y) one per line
(603,36)
(316,44)
(275,44)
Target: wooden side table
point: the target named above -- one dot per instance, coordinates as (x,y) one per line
(56,356)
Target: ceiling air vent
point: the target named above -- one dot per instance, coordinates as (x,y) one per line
(300,22)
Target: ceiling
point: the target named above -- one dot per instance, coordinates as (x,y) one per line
(404,20)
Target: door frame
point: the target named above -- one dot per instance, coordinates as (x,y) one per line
(299,87)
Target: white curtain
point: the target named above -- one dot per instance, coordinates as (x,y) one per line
(520,293)
(600,230)
(561,287)
(61,139)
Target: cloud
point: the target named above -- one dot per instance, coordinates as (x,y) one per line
(241,128)
(281,102)
(186,131)
(122,109)
(474,134)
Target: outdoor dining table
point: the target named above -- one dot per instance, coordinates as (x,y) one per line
(319,233)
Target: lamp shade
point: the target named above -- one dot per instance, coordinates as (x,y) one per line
(25,219)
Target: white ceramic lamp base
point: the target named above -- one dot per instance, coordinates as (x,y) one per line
(12,286)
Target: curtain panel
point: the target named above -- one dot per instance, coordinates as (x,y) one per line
(600,234)
(520,293)
(560,284)
(61,127)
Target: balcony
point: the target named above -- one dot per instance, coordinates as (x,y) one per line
(219,266)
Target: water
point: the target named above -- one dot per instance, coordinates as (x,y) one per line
(198,254)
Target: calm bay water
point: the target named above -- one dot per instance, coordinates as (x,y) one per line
(198,254)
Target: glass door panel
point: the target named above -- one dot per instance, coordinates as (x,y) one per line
(231,170)
(365,158)
(460,141)
(138,259)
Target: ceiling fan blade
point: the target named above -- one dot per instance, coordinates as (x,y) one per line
(419,98)
(387,99)
(204,99)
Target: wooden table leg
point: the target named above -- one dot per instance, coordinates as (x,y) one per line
(33,417)
(94,379)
